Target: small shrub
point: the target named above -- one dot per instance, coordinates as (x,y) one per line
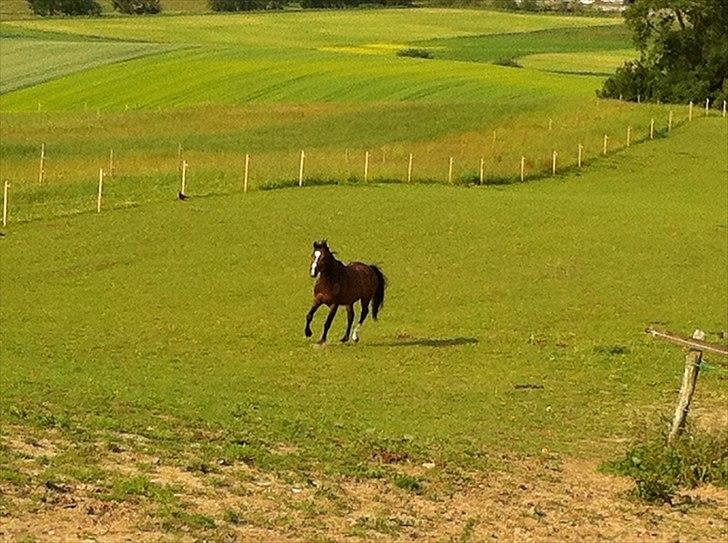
(415,53)
(661,470)
(64,7)
(137,7)
(238,5)
(508,62)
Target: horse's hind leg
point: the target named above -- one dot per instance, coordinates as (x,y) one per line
(364,313)
(349,322)
(327,324)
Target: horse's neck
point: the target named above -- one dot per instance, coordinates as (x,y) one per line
(335,271)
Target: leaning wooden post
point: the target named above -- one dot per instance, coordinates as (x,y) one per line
(449,172)
(652,129)
(629,135)
(5,204)
(409,169)
(101,188)
(606,141)
(669,121)
(245,175)
(300,169)
(707,106)
(553,163)
(366,166)
(690,111)
(579,154)
(183,187)
(481,171)
(687,389)
(523,168)
(41,169)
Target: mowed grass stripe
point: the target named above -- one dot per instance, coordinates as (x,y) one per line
(54,59)
(580,265)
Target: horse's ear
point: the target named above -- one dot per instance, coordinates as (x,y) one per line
(316,245)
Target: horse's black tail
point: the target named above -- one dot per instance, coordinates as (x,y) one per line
(378,299)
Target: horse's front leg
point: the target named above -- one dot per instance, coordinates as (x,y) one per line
(327,324)
(349,322)
(309,317)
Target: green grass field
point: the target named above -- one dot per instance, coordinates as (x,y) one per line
(171,333)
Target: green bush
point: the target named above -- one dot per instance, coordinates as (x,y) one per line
(661,470)
(238,5)
(64,7)
(137,7)
(415,53)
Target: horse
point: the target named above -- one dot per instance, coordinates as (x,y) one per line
(341,284)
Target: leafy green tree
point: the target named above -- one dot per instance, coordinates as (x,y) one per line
(65,7)
(683,47)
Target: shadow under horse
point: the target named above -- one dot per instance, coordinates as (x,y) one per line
(342,284)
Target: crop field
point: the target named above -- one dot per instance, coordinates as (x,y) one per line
(155,379)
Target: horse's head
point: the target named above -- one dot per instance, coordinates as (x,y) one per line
(319,257)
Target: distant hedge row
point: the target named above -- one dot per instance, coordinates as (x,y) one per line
(139,7)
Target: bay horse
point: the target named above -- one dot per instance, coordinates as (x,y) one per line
(341,284)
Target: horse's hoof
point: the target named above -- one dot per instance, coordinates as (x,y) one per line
(344,339)
(308,333)
(355,339)
(319,345)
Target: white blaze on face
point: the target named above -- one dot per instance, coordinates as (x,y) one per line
(314,264)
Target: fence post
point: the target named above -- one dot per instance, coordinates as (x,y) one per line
(245,176)
(101,188)
(409,169)
(300,169)
(111,163)
(724,108)
(687,389)
(5,204)
(604,149)
(183,187)
(449,172)
(482,170)
(578,157)
(366,166)
(707,106)
(690,111)
(629,135)
(652,128)
(553,163)
(523,168)
(41,170)
(669,121)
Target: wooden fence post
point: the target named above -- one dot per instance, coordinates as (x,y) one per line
(41,170)
(629,135)
(707,106)
(449,172)
(300,169)
(366,166)
(183,187)
(604,149)
(669,121)
(409,169)
(245,175)
(482,170)
(724,107)
(553,163)
(690,111)
(687,389)
(101,188)
(523,168)
(579,154)
(652,129)
(5,204)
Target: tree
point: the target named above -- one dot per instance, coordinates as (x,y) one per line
(65,7)
(683,52)
(137,7)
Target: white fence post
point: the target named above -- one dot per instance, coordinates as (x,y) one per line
(5,203)
(300,169)
(101,188)
(245,175)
